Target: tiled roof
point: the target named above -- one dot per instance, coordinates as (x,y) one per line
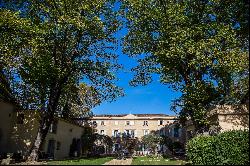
(138,115)
(109,115)
(143,115)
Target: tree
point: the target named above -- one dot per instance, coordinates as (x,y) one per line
(195,46)
(92,139)
(11,27)
(88,139)
(151,141)
(128,142)
(72,42)
(78,102)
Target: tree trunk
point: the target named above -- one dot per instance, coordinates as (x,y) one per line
(41,135)
(46,121)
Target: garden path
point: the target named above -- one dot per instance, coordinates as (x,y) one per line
(119,162)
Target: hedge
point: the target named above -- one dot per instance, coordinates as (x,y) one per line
(227,148)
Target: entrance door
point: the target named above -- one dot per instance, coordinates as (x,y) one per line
(51,148)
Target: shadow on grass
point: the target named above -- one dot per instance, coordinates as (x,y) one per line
(78,159)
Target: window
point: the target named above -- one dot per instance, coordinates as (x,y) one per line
(145,132)
(161,122)
(20,118)
(116,134)
(145,123)
(53,127)
(127,132)
(102,123)
(116,122)
(70,130)
(127,123)
(94,123)
(102,132)
(132,133)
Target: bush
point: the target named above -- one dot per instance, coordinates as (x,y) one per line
(231,147)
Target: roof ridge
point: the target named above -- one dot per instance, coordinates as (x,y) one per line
(141,114)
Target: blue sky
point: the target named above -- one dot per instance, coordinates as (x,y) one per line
(152,98)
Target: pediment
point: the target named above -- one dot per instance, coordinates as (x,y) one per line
(130,116)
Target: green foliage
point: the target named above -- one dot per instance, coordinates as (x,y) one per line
(151,141)
(90,139)
(50,47)
(230,148)
(14,33)
(195,46)
(56,45)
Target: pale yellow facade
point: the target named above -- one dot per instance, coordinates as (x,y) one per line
(18,137)
(138,124)
(228,117)
(223,118)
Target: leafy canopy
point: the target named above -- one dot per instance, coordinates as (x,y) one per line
(197,47)
(56,45)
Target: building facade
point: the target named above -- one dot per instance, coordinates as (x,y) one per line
(18,130)
(223,118)
(136,125)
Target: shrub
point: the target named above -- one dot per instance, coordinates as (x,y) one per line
(231,147)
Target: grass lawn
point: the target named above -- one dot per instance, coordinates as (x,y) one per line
(83,161)
(155,161)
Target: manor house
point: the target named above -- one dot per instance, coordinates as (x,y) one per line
(137,125)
